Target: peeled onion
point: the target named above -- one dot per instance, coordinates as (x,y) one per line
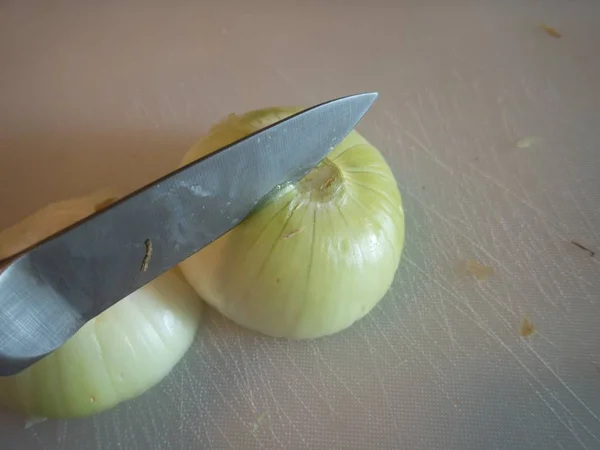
(314,258)
(114,357)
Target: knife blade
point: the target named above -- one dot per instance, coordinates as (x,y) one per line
(53,288)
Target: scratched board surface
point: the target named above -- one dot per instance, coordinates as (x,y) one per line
(488,116)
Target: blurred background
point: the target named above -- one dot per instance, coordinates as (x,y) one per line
(489,117)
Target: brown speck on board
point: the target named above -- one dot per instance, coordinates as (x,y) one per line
(277,280)
(473,267)
(148,255)
(582,247)
(292,233)
(551,31)
(527,328)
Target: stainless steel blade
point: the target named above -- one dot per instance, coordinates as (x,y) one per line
(48,292)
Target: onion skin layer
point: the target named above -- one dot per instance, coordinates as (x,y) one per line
(317,255)
(114,357)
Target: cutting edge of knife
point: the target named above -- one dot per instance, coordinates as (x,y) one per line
(4,263)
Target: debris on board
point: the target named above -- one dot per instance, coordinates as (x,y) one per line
(527,142)
(551,31)
(256,424)
(527,328)
(477,269)
(584,248)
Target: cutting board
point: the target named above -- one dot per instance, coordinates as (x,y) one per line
(489,115)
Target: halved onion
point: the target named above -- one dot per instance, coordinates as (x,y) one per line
(114,357)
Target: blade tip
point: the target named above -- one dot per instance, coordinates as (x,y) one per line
(369,97)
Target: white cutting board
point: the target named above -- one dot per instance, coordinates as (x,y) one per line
(96,93)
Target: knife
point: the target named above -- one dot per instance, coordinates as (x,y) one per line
(50,290)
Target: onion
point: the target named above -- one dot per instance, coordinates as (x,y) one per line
(114,357)
(317,255)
